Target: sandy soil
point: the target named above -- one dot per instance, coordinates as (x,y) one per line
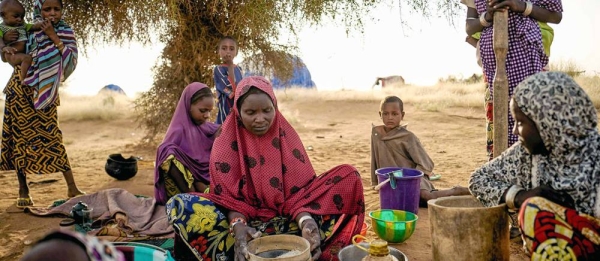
(338,131)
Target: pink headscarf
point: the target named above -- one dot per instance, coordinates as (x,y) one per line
(271,175)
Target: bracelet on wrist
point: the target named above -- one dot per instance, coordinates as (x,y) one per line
(484,22)
(511,195)
(304,219)
(528,8)
(60,46)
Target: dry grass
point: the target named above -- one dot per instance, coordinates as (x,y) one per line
(428,98)
(569,67)
(104,107)
(591,85)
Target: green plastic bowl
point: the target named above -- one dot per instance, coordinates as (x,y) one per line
(394,226)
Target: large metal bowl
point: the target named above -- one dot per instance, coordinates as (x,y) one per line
(353,253)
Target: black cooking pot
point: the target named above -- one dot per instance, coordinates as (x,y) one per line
(121,168)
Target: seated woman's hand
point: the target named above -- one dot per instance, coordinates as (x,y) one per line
(547,192)
(242,234)
(310,231)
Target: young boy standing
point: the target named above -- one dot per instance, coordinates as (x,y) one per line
(392,145)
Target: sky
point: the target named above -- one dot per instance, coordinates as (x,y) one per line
(430,49)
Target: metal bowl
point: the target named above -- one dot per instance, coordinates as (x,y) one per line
(353,253)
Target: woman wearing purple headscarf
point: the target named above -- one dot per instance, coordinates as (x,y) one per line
(182,158)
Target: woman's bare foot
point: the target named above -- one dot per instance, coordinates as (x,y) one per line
(24,200)
(74,191)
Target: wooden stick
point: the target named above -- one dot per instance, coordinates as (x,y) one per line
(500,97)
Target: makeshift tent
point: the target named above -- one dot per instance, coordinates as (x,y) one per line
(112,89)
(301,77)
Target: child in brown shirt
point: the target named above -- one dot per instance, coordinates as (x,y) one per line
(392,145)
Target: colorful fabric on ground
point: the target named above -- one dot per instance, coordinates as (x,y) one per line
(31,138)
(96,249)
(187,142)
(49,66)
(553,232)
(224,88)
(135,251)
(568,125)
(202,229)
(525,50)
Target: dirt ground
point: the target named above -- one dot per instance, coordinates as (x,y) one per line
(338,131)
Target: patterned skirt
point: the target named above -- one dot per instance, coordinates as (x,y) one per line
(170,186)
(31,139)
(553,232)
(202,229)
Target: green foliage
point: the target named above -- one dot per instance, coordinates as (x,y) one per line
(191,30)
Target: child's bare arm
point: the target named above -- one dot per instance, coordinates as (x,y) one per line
(36,26)
(5,49)
(472,41)
(473,24)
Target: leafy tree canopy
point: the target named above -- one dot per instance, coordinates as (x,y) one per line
(191,30)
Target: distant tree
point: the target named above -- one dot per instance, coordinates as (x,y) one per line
(191,29)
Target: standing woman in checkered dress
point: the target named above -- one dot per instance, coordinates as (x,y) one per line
(526,54)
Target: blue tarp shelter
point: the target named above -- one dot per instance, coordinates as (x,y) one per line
(113,89)
(301,77)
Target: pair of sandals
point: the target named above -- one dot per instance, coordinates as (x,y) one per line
(23,203)
(435,176)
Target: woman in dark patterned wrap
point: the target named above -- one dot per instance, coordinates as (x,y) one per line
(31,139)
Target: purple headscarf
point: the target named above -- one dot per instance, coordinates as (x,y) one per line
(189,143)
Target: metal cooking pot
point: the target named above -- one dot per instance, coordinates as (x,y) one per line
(121,168)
